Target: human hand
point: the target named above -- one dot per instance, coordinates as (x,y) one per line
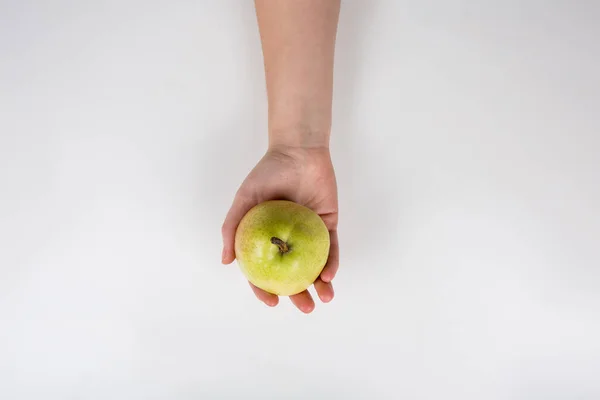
(302,175)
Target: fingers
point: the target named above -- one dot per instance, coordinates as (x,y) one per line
(333,261)
(268,298)
(303,301)
(324,290)
(241,205)
(330,220)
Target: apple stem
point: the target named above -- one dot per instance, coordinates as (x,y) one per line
(283,247)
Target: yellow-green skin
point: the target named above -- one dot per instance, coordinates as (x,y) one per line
(263,263)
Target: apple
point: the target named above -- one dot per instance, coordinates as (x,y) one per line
(281,246)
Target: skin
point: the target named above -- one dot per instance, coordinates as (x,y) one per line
(298,42)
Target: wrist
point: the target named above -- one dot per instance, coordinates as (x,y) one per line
(298,136)
(298,154)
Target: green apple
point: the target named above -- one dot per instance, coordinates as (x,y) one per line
(281,246)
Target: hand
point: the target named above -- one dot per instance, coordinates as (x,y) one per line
(302,175)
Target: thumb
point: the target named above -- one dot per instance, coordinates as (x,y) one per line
(241,205)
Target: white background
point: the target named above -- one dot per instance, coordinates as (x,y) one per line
(466,140)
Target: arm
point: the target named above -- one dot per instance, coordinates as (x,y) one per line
(298,38)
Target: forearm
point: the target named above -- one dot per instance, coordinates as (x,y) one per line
(298,40)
